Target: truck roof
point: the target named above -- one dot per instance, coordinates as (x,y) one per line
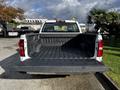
(69,21)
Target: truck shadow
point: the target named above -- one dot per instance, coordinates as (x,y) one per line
(7,64)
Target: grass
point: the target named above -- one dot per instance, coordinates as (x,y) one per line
(112,60)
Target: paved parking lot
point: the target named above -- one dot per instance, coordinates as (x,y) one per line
(16,81)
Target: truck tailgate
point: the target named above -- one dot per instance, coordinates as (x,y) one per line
(60,66)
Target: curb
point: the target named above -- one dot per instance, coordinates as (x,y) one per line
(106,82)
(111,81)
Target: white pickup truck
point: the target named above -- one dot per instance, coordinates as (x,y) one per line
(60,48)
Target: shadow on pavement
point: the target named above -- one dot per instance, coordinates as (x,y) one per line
(7,64)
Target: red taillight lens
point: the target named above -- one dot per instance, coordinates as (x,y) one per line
(21,47)
(100,48)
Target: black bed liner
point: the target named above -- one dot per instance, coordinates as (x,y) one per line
(58,52)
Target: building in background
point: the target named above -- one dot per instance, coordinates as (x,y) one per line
(32,24)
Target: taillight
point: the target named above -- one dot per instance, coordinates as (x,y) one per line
(100,48)
(21,47)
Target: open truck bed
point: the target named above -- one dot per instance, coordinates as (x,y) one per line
(61,54)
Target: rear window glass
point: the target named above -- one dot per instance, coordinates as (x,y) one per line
(60,27)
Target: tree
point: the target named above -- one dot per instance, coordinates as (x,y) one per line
(108,21)
(8,14)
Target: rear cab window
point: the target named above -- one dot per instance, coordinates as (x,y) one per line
(60,27)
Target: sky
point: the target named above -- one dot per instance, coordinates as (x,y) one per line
(62,9)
